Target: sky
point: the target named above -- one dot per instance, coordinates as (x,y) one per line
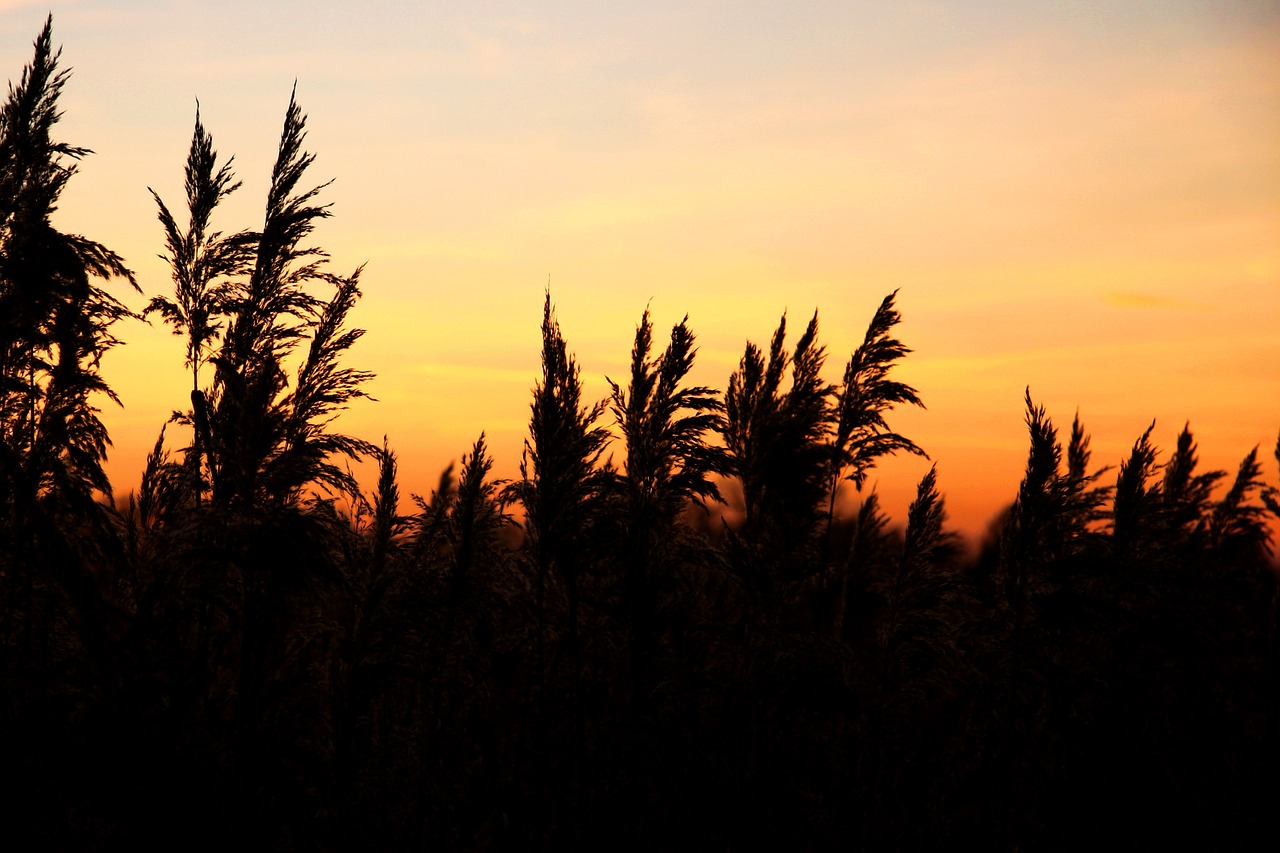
(1080,198)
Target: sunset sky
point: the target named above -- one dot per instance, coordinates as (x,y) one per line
(1079,197)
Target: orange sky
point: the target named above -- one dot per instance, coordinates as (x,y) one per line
(1085,200)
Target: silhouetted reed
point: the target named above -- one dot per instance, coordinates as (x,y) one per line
(283,661)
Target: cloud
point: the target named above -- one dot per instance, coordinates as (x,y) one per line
(1101,355)
(469,373)
(1129,299)
(15,5)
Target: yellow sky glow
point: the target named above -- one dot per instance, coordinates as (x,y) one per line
(1084,200)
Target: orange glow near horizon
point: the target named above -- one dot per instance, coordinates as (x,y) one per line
(1086,203)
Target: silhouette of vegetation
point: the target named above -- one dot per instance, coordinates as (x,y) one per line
(251,651)
(56,322)
(203,261)
(861,433)
(55,325)
(265,443)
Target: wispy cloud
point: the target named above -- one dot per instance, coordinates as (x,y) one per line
(15,5)
(471,372)
(1129,299)
(1102,355)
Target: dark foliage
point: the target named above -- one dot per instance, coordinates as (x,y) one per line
(253,653)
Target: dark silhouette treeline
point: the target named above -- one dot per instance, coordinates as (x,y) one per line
(254,652)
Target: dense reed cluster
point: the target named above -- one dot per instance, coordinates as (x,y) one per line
(253,651)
